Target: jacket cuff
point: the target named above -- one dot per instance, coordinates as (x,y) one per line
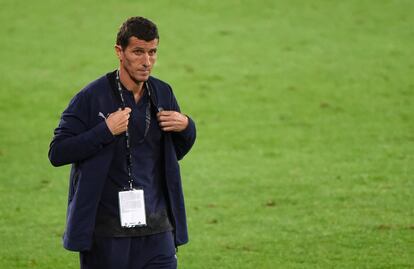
(189,129)
(103,134)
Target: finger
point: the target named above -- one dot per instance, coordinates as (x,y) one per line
(166,118)
(126,110)
(167,123)
(117,112)
(168,129)
(124,113)
(122,129)
(174,115)
(124,122)
(117,118)
(159,116)
(165,113)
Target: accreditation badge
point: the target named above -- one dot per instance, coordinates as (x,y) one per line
(132,208)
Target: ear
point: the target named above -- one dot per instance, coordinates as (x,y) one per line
(118,51)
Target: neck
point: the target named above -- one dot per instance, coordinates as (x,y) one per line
(131,85)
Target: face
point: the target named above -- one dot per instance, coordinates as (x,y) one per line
(138,58)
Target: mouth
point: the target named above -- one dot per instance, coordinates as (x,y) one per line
(144,71)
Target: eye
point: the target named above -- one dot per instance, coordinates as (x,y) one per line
(138,52)
(152,52)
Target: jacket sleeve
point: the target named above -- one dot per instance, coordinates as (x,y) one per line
(184,140)
(73,140)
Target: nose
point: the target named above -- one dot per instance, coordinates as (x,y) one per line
(147,62)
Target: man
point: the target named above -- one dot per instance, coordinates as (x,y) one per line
(124,134)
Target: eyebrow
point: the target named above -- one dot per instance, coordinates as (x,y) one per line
(140,48)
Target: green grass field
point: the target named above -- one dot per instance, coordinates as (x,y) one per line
(305,150)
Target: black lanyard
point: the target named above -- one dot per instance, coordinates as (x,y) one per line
(127,136)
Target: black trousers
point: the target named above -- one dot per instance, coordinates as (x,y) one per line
(149,252)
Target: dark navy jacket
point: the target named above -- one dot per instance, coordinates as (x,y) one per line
(84,140)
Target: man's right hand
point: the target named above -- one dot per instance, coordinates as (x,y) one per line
(118,121)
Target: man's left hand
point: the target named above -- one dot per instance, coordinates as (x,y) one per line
(172,121)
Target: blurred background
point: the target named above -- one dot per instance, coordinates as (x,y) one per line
(304,110)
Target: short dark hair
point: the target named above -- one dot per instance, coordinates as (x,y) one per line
(139,27)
